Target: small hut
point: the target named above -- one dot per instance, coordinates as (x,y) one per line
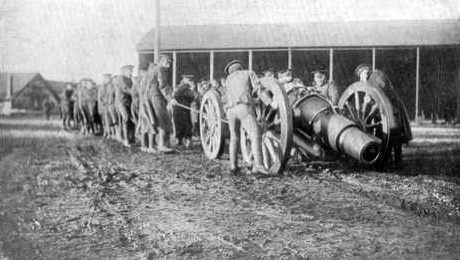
(24,92)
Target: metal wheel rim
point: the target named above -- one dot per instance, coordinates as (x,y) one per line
(277,130)
(211,126)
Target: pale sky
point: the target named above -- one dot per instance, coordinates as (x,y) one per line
(71,39)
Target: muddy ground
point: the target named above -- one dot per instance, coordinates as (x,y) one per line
(63,196)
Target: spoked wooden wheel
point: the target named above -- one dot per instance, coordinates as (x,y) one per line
(274,117)
(369,108)
(211,125)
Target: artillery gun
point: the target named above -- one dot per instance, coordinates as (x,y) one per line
(359,128)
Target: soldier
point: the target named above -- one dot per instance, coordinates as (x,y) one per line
(241,84)
(402,134)
(123,85)
(146,120)
(47,107)
(96,117)
(293,86)
(103,105)
(67,106)
(135,93)
(362,72)
(90,100)
(112,115)
(160,93)
(323,86)
(184,95)
(76,110)
(269,73)
(82,112)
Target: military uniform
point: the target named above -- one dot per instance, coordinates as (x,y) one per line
(123,98)
(181,116)
(82,114)
(90,101)
(76,109)
(328,90)
(135,95)
(103,106)
(159,94)
(112,115)
(67,107)
(47,108)
(402,133)
(146,121)
(241,84)
(123,88)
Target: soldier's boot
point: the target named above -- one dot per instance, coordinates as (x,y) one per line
(105,132)
(151,141)
(163,142)
(143,139)
(126,140)
(233,147)
(188,142)
(91,129)
(118,133)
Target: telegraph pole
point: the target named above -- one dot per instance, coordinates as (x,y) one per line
(156,30)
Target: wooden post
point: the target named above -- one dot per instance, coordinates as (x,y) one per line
(290,59)
(373,59)
(156,30)
(417,86)
(211,64)
(331,65)
(250,60)
(175,68)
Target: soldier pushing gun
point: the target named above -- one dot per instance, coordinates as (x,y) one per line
(241,84)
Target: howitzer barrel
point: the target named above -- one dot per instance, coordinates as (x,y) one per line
(315,116)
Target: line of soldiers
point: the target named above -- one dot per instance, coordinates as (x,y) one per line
(123,106)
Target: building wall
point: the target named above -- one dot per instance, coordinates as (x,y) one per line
(440,83)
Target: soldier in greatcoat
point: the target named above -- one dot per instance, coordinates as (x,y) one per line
(123,85)
(402,133)
(90,101)
(160,93)
(76,109)
(147,120)
(67,106)
(81,108)
(112,114)
(184,95)
(103,105)
(241,85)
(135,94)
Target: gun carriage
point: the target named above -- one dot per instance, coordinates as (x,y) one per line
(361,127)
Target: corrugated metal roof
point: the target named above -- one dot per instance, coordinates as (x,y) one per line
(315,34)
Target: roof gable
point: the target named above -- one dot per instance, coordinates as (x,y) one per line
(20,80)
